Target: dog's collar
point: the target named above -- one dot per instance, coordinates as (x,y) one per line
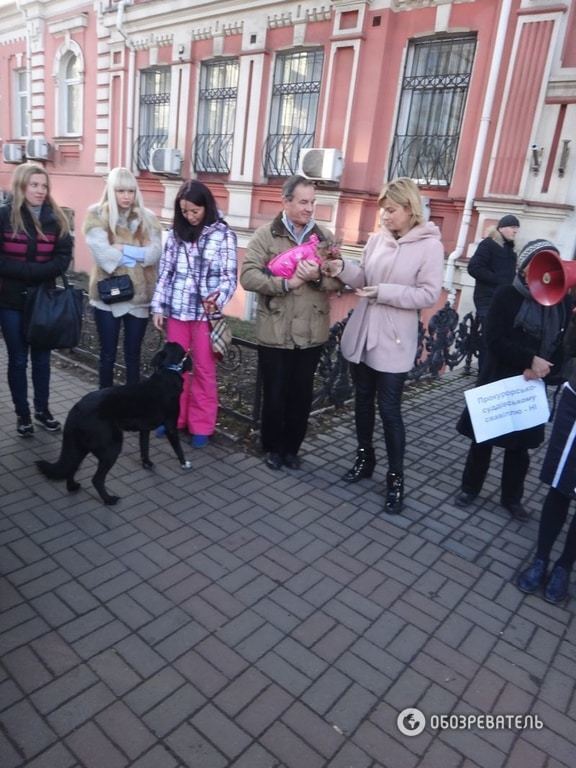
(176,368)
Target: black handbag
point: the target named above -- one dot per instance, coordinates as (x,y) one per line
(53,316)
(117,288)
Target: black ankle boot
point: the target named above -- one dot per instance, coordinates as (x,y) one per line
(363,466)
(394,493)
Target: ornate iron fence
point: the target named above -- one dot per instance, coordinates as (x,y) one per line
(447,342)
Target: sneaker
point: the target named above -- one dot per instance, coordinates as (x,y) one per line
(533,577)
(24,427)
(557,586)
(199,441)
(160,431)
(47,421)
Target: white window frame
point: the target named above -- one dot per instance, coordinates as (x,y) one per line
(21,102)
(68,125)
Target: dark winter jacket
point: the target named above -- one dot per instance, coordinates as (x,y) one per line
(510,351)
(26,259)
(492,265)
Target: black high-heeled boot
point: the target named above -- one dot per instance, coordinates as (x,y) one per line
(363,466)
(394,493)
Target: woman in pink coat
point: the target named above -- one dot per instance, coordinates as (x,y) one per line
(400,273)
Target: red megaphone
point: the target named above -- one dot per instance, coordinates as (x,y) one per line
(550,278)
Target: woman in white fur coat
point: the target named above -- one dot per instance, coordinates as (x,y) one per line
(124,238)
(400,273)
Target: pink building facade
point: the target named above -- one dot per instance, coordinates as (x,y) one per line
(475,100)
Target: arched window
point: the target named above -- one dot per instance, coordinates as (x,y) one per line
(69,76)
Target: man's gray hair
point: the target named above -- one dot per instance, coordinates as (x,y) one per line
(291,183)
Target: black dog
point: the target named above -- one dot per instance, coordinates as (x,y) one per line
(97,422)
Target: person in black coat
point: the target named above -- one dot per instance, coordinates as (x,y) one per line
(35,247)
(559,472)
(522,338)
(493,264)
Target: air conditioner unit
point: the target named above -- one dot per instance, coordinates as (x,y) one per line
(321,164)
(12,153)
(166,161)
(37,148)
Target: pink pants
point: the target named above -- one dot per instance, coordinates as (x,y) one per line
(199,399)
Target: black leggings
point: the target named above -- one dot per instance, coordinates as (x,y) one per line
(387,389)
(554,514)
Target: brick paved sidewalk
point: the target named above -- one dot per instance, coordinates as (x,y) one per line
(235,616)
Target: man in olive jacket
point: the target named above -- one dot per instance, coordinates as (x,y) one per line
(292,322)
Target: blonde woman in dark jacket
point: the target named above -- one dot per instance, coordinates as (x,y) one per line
(35,247)
(124,238)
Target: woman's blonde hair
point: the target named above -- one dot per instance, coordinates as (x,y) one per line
(404,192)
(20,180)
(123,178)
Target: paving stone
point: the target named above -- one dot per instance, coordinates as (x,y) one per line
(256,757)
(206,677)
(26,669)
(94,749)
(179,706)
(156,757)
(80,709)
(313,729)
(378,744)
(153,690)
(220,729)
(28,732)
(115,672)
(351,708)
(264,710)
(139,655)
(125,730)
(58,756)
(289,748)
(193,749)
(63,689)
(55,653)
(241,691)
(326,691)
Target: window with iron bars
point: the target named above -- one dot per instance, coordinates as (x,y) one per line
(434,90)
(216,116)
(294,108)
(154,114)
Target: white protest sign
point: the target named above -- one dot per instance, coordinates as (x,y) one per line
(508,405)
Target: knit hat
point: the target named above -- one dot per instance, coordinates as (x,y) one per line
(508,221)
(531,249)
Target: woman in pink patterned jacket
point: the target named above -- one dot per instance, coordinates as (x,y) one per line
(197,277)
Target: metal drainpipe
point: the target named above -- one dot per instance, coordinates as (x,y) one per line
(130,97)
(480,147)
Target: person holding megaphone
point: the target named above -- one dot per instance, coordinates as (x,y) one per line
(523,337)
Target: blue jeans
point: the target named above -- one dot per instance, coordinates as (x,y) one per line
(108,328)
(12,324)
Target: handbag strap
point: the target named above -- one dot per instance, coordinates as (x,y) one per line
(64,280)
